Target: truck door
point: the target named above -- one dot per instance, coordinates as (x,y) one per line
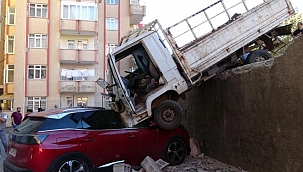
(121,92)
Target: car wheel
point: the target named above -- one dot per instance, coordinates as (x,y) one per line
(72,164)
(175,151)
(258,56)
(168,114)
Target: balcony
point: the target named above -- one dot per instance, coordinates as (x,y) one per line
(87,86)
(137,12)
(73,56)
(78,27)
(77,86)
(77,81)
(68,86)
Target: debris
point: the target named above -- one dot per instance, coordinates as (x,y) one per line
(194,146)
(122,167)
(207,164)
(150,165)
(161,164)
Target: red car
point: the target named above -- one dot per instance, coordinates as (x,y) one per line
(83,139)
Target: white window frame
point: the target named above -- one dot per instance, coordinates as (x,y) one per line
(112,2)
(71,44)
(83,101)
(80,8)
(39,41)
(82,44)
(69,102)
(112,24)
(9,68)
(32,102)
(11,14)
(36,72)
(43,10)
(10,38)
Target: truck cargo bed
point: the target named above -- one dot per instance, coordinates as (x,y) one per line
(200,53)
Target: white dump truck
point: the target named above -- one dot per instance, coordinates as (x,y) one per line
(153,68)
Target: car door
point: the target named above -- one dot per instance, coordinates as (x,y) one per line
(141,141)
(101,137)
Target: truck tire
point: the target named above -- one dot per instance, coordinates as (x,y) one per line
(258,56)
(168,114)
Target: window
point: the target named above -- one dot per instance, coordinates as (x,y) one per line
(11,16)
(36,72)
(112,1)
(37,41)
(69,101)
(10,46)
(78,11)
(110,47)
(71,44)
(9,74)
(68,121)
(81,101)
(82,44)
(38,10)
(99,120)
(36,102)
(111,24)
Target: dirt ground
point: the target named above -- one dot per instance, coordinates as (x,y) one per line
(251,116)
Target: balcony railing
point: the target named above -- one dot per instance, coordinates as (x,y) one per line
(68,86)
(87,86)
(78,27)
(78,78)
(77,86)
(88,56)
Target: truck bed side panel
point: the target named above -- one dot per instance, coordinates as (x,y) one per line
(226,40)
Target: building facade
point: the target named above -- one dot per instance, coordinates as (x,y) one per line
(7,53)
(60,49)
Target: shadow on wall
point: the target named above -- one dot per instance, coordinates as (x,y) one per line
(254,119)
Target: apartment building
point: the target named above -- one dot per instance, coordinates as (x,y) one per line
(7,53)
(60,49)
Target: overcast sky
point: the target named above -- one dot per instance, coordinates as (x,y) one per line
(169,12)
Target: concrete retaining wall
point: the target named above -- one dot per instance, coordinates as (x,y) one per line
(252,117)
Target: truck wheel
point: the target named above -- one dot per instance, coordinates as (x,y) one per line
(167,114)
(258,56)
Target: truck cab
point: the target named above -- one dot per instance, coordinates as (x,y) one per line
(152,80)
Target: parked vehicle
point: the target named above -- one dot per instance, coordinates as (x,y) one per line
(81,139)
(165,64)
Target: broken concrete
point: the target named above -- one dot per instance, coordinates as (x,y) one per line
(202,163)
(122,167)
(252,118)
(194,147)
(149,165)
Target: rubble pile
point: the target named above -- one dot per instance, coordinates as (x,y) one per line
(201,163)
(195,162)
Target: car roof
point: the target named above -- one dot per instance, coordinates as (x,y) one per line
(59,112)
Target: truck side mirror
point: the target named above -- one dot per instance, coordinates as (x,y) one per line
(102,83)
